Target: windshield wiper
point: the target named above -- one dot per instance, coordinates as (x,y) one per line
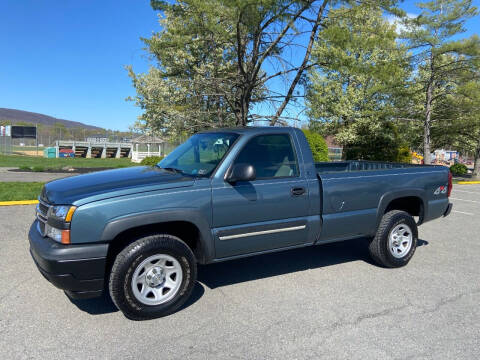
(175,170)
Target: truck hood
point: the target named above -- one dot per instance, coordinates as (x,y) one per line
(100,185)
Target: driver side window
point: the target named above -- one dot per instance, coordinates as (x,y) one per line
(272,156)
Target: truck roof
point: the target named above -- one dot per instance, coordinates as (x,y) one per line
(251,129)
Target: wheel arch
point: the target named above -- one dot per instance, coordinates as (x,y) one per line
(411,201)
(187,225)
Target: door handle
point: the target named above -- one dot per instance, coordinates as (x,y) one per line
(297,191)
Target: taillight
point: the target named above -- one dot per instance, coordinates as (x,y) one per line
(450,184)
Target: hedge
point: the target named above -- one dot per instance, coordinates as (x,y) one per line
(317,145)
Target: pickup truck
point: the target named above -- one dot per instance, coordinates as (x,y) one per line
(139,232)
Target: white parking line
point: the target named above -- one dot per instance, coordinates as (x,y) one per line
(472,201)
(468,192)
(462,212)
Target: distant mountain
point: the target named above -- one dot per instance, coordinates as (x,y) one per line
(16,116)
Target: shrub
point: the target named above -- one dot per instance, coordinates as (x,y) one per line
(373,140)
(38,169)
(151,160)
(24,168)
(404,155)
(458,169)
(317,145)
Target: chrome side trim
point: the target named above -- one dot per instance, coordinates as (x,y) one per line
(255,233)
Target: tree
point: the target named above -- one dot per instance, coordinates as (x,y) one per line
(267,31)
(363,76)
(216,59)
(439,55)
(189,88)
(458,120)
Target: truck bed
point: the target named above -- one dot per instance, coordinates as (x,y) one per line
(354,193)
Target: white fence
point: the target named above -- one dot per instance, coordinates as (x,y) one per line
(138,156)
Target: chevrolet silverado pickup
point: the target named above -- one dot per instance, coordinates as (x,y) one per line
(139,233)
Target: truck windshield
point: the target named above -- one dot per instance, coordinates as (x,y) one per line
(200,154)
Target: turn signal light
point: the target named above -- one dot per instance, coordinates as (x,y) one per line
(65,236)
(70,212)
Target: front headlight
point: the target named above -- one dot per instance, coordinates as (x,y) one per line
(62,213)
(58,223)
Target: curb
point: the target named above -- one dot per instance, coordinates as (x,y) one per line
(18,202)
(468,182)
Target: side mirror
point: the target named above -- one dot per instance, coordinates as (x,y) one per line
(241,172)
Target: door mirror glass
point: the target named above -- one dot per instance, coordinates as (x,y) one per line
(241,172)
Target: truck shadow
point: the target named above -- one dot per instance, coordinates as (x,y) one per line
(284,262)
(256,267)
(96,306)
(104,304)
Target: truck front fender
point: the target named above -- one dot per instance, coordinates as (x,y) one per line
(118,225)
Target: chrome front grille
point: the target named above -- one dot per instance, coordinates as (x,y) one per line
(43,207)
(42,215)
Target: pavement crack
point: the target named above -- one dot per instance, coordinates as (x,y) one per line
(339,324)
(449,300)
(387,312)
(374,315)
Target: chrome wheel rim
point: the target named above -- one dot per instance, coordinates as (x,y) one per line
(400,240)
(157,279)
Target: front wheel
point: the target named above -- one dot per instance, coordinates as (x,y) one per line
(152,277)
(395,241)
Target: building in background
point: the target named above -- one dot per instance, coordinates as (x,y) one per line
(148,145)
(5,139)
(446,155)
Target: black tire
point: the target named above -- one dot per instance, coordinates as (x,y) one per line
(379,246)
(127,261)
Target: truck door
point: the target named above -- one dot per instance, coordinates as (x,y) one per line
(269,212)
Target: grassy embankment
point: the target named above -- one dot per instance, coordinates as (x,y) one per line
(10,191)
(19,161)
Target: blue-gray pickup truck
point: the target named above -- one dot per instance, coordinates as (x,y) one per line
(140,232)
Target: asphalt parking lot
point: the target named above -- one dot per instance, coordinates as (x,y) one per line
(7,175)
(322,302)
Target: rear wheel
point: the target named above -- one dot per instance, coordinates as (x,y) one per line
(395,241)
(152,277)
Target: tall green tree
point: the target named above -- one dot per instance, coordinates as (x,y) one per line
(440,55)
(362,76)
(457,118)
(190,88)
(214,60)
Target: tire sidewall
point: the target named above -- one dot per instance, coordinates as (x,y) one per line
(399,219)
(138,253)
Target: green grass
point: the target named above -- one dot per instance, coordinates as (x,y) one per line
(10,191)
(19,161)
